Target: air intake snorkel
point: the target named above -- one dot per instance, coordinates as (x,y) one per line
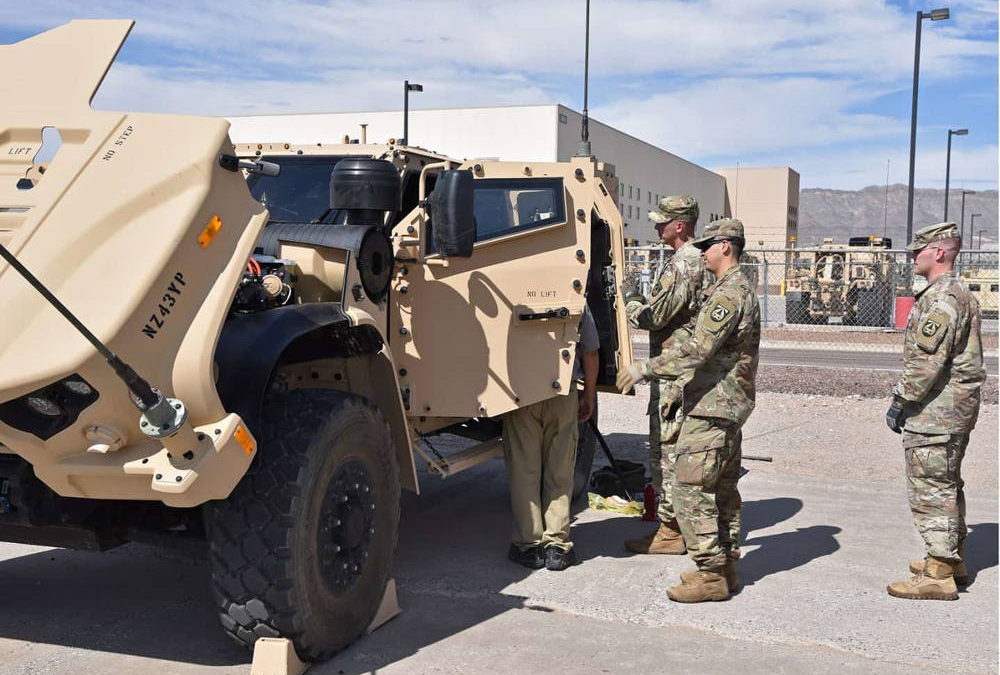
(363,191)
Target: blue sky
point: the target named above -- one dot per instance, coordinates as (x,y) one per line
(823,87)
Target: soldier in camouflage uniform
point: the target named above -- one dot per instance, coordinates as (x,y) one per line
(673,302)
(710,377)
(935,405)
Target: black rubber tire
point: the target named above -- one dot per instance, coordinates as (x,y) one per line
(873,308)
(586,446)
(796,311)
(265,539)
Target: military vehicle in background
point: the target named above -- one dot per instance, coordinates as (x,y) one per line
(265,381)
(850,284)
(983,283)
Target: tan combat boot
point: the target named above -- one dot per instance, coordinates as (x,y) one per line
(961,571)
(701,586)
(666,540)
(935,582)
(733,580)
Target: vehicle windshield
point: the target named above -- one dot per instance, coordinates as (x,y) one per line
(301,192)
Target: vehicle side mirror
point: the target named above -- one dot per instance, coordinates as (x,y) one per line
(452,214)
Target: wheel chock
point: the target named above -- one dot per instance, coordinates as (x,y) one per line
(388,608)
(276,656)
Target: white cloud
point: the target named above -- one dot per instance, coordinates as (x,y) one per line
(857,167)
(748,115)
(787,81)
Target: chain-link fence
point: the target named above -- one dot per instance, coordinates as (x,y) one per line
(848,295)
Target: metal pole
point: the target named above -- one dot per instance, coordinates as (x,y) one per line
(406,110)
(913,128)
(961,227)
(947,176)
(885,208)
(766,280)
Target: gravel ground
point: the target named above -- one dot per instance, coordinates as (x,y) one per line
(812,435)
(840,383)
(840,336)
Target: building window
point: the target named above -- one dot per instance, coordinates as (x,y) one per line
(629,210)
(630,192)
(621,189)
(563,119)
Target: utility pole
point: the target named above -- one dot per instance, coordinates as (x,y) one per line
(947,169)
(961,227)
(885,207)
(407,88)
(933,15)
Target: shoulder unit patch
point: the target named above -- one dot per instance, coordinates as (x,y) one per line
(932,330)
(719,313)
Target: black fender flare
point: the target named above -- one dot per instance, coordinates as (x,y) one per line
(251,346)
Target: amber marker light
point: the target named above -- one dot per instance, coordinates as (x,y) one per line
(208,234)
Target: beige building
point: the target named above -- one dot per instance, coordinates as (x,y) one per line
(767,201)
(537,133)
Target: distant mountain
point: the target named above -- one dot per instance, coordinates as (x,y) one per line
(845,213)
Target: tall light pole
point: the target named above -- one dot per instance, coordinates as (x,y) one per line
(961,227)
(885,204)
(933,15)
(947,170)
(972,225)
(981,239)
(407,88)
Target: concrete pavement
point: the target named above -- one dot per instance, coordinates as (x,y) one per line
(826,527)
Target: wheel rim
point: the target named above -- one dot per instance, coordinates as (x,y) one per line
(346,526)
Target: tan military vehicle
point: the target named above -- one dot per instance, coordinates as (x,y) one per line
(983,283)
(176,362)
(848,283)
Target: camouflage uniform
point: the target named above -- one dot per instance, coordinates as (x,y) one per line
(673,303)
(939,391)
(710,378)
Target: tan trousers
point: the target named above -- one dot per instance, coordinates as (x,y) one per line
(540,451)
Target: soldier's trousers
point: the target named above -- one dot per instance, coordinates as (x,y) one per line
(662,460)
(705,493)
(540,442)
(935,487)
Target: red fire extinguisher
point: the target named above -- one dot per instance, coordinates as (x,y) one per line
(649,503)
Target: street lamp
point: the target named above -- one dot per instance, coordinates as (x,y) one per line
(972,225)
(961,229)
(981,239)
(407,88)
(947,170)
(933,15)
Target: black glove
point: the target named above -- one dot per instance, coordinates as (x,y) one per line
(895,416)
(630,292)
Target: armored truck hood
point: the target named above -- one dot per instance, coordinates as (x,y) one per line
(112,219)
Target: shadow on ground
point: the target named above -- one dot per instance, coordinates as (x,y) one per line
(134,600)
(981,549)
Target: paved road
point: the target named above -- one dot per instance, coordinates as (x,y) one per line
(823,537)
(818,358)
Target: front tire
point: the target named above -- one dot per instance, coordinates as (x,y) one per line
(303,546)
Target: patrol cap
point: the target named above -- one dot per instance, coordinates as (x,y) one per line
(724,229)
(932,233)
(676,207)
